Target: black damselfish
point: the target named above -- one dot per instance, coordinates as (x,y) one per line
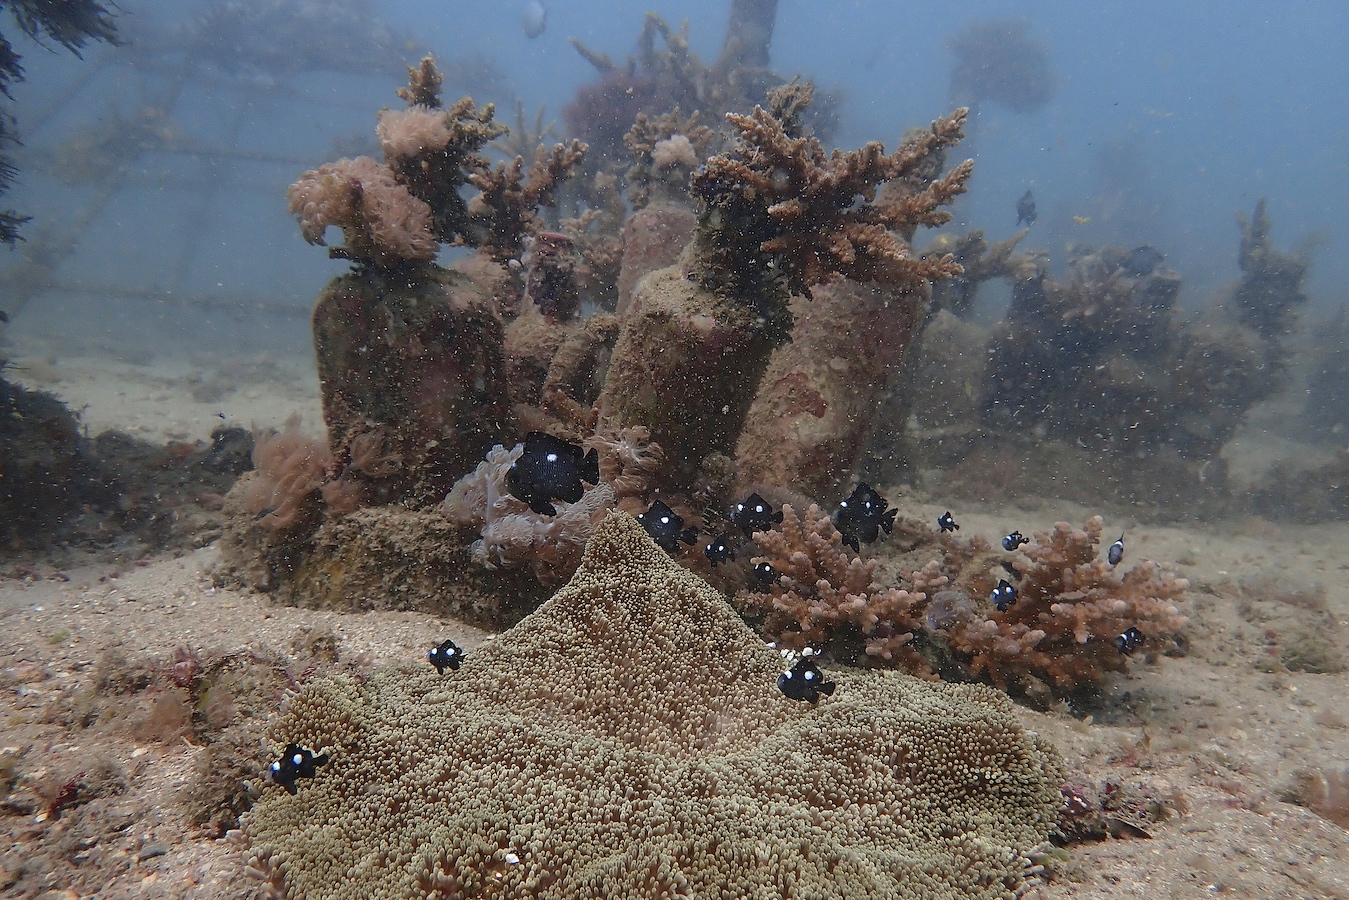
(1129,641)
(1116,552)
(755,514)
(666,527)
(296,763)
(764,573)
(1014,540)
(804,681)
(1004,595)
(551,469)
(946,523)
(1025,209)
(718,551)
(862,516)
(447,655)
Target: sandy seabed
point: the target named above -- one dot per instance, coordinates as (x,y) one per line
(1220,733)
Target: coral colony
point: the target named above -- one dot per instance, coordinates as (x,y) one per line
(675,379)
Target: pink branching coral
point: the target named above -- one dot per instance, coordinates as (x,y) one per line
(382,223)
(1069,609)
(291,468)
(513,535)
(823,592)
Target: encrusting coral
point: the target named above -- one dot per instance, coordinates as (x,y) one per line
(824,595)
(628,740)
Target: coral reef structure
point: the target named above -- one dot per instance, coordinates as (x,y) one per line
(999,61)
(624,740)
(779,215)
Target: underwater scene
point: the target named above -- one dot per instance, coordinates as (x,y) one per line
(680,451)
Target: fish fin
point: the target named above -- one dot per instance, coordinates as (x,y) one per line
(826,688)
(590,467)
(541,506)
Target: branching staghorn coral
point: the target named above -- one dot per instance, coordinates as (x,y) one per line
(1070,607)
(665,150)
(435,152)
(506,210)
(781,215)
(628,740)
(825,597)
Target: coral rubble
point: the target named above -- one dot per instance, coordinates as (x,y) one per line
(622,741)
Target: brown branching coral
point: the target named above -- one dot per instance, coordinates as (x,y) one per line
(424,84)
(1069,609)
(781,215)
(382,223)
(665,150)
(1270,291)
(824,597)
(506,210)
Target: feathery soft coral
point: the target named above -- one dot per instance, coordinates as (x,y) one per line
(382,223)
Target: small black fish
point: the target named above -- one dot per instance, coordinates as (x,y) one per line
(1141,261)
(718,551)
(1116,552)
(1014,540)
(1004,595)
(1025,209)
(1129,641)
(764,572)
(665,527)
(862,516)
(296,763)
(4,316)
(946,523)
(755,514)
(447,654)
(551,469)
(804,681)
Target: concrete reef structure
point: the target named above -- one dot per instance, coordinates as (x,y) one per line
(778,216)
(628,740)
(406,349)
